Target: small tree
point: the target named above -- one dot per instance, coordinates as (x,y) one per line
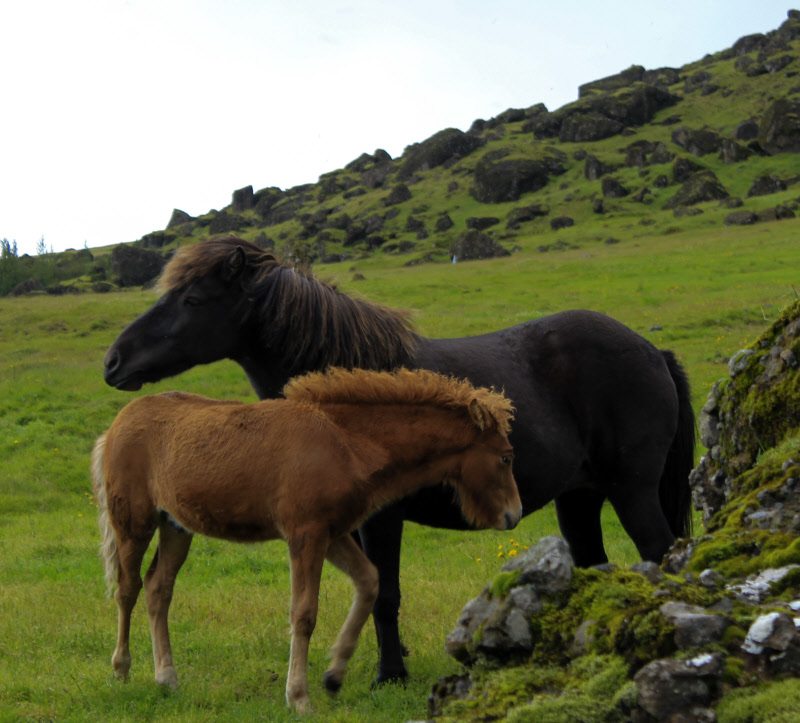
(10,270)
(41,247)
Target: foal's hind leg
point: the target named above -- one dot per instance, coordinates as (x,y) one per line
(579,520)
(173,547)
(130,552)
(348,557)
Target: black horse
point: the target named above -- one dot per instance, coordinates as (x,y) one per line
(601,413)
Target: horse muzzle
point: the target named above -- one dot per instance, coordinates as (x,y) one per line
(510,520)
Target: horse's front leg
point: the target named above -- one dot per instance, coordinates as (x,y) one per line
(348,557)
(307,553)
(173,547)
(381,536)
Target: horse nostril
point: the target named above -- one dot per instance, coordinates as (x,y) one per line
(509,521)
(112,361)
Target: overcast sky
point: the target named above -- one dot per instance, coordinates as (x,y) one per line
(114,112)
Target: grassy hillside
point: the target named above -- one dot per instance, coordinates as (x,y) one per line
(357,212)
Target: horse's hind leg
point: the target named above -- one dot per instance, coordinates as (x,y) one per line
(130,552)
(173,547)
(579,520)
(638,506)
(348,557)
(381,537)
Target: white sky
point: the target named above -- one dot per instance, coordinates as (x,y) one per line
(114,112)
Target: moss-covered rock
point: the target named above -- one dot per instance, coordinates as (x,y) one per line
(701,637)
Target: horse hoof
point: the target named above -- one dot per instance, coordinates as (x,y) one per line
(397,678)
(168,678)
(301,706)
(331,682)
(122,666)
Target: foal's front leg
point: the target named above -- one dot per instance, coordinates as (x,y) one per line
(348,557)
(173,547)
(307,553)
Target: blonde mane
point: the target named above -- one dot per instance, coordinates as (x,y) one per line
(359,386)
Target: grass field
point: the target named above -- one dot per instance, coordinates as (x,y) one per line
(703,294)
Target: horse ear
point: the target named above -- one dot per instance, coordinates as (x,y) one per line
(478,414)
(234,265)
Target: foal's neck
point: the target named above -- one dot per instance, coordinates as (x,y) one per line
(422,443)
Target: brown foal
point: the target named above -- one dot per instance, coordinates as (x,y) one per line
(308,469)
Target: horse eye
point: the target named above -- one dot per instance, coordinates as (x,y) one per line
(506,459)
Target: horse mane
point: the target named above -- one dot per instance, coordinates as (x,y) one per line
(309,323)
(357,386)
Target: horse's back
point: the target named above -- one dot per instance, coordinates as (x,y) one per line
(584,386)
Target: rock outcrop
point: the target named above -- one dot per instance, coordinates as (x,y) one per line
(447,145)
(134,266)
(475,244)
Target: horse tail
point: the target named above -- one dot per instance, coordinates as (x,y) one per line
(674,491)
(108,545)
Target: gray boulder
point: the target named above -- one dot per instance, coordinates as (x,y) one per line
(498,180)
(243,199)
(482,222)
(178,218)
(740,218)
(594,168)
(446,145)
(779,128)
(399,194)
(694,626)
(497,626)
(474,244)
(523,214)
(765,184)
(560,222)
(612,188)
(134,266)
(700,187)
(668,687)
(698,142)
(591,126)
(732,152)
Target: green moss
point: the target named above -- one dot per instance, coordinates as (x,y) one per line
(503,582)
(772,703)
(592,688)
(733,672)
(495,693)
(737,550)
(759,413)
(624,612)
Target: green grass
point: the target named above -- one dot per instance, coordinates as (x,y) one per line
(710,292)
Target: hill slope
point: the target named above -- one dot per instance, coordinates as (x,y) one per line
(640,153)
(668,148)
